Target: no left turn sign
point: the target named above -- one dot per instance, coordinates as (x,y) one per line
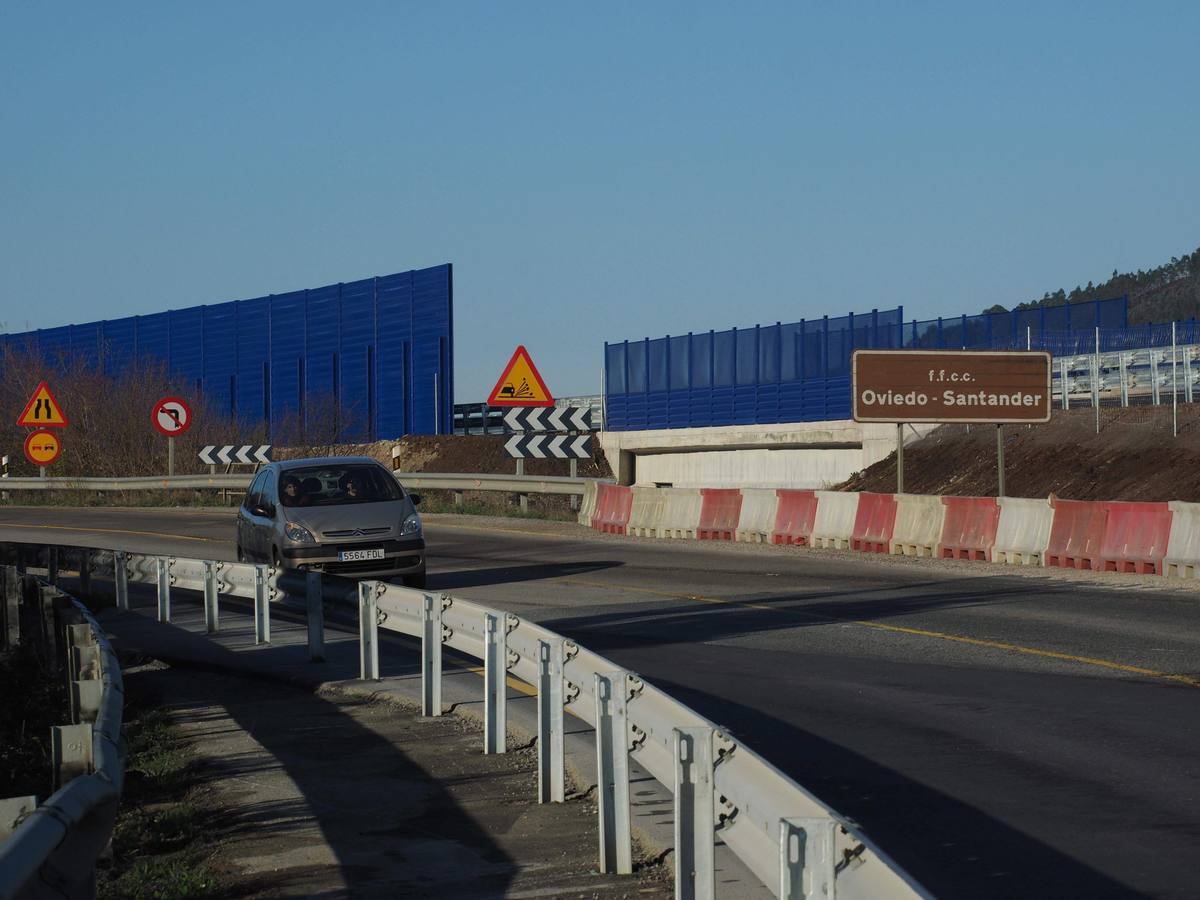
(172,416)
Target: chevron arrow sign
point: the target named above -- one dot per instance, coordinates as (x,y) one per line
(549,446)
(230,454)
(549,418)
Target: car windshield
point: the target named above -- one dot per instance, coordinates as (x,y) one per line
(337,485)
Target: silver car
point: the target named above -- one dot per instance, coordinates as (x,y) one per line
(341,515)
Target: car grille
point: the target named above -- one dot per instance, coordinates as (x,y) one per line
(355,532)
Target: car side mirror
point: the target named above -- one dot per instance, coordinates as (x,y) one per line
(415,498)
(264,511)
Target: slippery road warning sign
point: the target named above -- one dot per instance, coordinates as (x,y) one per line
(521,384)
(42,410)
(172,416)
(42,447)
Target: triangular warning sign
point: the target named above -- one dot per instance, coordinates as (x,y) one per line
(520,385)
(42,410)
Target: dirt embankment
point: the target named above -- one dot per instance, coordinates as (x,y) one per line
(1134,457)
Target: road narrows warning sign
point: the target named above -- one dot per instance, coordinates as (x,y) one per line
(521,384)
(42,410)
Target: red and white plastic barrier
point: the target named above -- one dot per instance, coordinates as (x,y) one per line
(1119,536)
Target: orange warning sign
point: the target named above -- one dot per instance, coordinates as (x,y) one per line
(521,384)
(42,410)
(42,447)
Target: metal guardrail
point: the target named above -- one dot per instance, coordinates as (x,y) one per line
(795,844)
(514,484)
(52,849)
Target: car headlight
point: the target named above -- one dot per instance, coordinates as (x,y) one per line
(298,533)
(412,524)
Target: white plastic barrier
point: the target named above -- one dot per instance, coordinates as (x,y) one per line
(681,512)
(646,514)
(1183,548)
(834,525)
(919,520)
(757,521)
(587,508)
(1023,532)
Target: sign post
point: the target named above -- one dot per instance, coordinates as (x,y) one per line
(948,386)
(171,416)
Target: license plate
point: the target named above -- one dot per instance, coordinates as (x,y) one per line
(359,555)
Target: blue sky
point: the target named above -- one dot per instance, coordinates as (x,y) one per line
(593,171)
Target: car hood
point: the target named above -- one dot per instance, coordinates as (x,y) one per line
(354,521)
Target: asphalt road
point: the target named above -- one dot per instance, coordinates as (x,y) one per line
(1000,735)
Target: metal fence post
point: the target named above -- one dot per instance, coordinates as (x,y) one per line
(164,589)
(806,859)
(121,578)
(315,604)
(262,607)
(1124,379)
(551,777)
(85,572)
(431,655)
(1155,393)
(368,631)
(694,822)
(211,588)
(1066,399)
(612,773)
(495,683)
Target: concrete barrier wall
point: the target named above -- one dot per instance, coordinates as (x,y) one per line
(757,520)
(1182,559)
(1023,531)
(798,468)
(681,512)
(918,525)
(833,527)
(646,513)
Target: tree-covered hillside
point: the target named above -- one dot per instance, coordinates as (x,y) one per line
(1167,293)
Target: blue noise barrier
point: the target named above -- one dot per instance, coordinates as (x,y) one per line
(381,350)
(800,372)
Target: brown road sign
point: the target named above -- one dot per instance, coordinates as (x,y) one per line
(951,386)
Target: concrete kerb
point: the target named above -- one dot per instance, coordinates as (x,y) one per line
(919,521)
(1023,532)
(757,520)
(1183,548)
(834,525)
(185,642)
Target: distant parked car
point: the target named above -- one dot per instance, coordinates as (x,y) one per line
(341,515)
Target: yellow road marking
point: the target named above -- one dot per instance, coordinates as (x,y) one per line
(180,537)
(514,683)
(493,529)
(1189,680)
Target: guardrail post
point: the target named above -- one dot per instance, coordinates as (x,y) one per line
(121,578)
(315,602)
(70,751)
(211,586)
(262,608)
(807,866)
(368,631)
(47,622)
(694,823)
(13,811)
(12,607)
(431,655)
(495,683)
(52,565)
(85,572)
(612,773)
(164,589)
(551,779)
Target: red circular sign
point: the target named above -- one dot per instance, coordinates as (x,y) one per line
(172,416)
(42,447)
